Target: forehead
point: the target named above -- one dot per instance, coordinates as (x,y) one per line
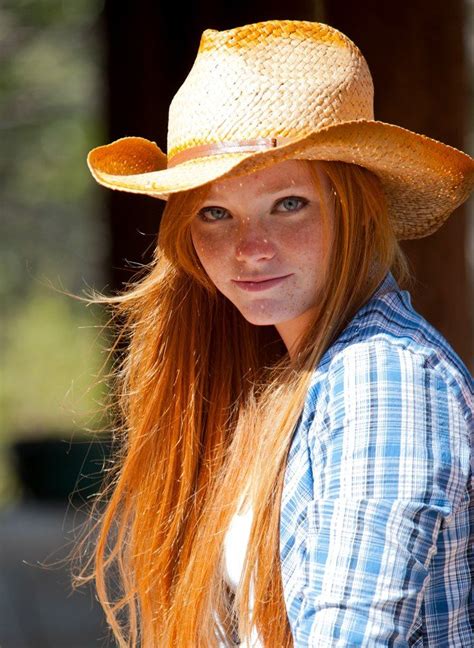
(280,176)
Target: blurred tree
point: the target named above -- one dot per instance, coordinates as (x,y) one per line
(51,230)
(49,113)
(416,52)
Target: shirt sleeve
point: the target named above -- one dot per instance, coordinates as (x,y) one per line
(388,458)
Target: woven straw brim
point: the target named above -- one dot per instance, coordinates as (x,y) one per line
(423,179)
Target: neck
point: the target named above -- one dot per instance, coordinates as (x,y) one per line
(292,331)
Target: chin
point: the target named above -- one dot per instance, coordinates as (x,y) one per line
(262,318)
(260,321)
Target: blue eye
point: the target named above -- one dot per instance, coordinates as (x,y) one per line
(292,203)
(210,214)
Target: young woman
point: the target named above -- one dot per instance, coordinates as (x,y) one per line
(276,376)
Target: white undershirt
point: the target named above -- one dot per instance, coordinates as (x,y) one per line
(235,549)
(235,546)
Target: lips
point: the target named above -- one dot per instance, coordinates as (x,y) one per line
(258,279)
(260,283)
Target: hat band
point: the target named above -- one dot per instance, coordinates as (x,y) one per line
(219,148)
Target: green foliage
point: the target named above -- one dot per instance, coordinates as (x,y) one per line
(52,230)
(51,365)
(50,94)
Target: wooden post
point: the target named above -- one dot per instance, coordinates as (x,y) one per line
(416,53)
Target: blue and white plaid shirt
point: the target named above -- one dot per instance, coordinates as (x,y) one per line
(377,503)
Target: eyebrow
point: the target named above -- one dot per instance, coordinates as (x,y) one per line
(275,188)
(269,189)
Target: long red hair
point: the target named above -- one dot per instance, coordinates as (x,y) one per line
(206,408)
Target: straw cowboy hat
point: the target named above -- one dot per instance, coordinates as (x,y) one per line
(283,89)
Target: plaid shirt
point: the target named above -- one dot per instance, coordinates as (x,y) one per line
(377,500)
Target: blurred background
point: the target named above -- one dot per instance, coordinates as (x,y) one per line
(75,74)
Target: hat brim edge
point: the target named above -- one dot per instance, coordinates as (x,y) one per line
(353,142)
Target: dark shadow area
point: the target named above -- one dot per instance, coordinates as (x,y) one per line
(39,607)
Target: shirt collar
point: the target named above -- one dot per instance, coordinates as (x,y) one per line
(387,285)
(349,333)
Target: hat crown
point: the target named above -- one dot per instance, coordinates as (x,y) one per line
(273,79)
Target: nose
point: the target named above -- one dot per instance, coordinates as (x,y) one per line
(253,244)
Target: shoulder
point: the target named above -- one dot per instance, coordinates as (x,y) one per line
(390,420)
(387,383)
(390,349)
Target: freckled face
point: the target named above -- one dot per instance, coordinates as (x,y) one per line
(259,238)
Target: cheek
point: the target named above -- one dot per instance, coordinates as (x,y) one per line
(304,244)
(213,252)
